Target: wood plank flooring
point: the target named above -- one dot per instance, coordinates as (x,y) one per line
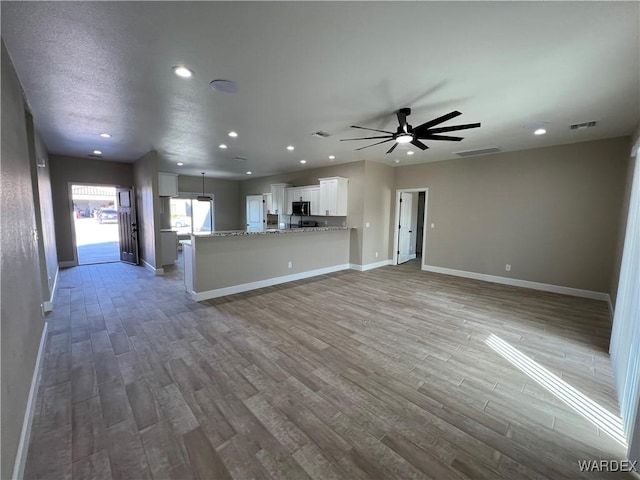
(355,375)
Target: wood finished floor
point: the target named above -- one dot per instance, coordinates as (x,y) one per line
(381,374)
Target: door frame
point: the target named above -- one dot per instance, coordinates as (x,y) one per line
(397,220)
(71,212)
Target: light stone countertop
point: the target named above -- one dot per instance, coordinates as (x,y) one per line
(269,231)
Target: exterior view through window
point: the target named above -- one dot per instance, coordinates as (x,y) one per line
(189,215)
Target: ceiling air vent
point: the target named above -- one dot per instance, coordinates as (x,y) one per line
(580,126)
(482,151)
(321,134)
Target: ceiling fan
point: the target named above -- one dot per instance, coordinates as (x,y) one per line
(407,134)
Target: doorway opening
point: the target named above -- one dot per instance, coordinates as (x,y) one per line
(411,219)
(95,219)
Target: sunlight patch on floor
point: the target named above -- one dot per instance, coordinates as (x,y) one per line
(592,411)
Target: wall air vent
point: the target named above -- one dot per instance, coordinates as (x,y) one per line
(320,134)
(580,126)
(482,151)
(240,159)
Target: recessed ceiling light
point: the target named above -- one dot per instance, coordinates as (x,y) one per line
(180,164)
(97,152)
(223,146)
(105,135)
(224,86)
(183,72)
(303,161)
(396,161)
(409,152)
(540,131)
(290,147)
(332,157)
(233,134)
(248,173)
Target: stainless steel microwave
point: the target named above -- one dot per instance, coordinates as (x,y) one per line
(301,208)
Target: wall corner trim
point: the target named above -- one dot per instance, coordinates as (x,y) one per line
(269,282)
(370,266)
(25,435)
(155,271)
(546,287)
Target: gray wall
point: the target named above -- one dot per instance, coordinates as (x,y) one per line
(21,291)
(47,214)
(355,172)
(379,197)
(251,258)
(145,174)
(227,203)
(79,171)
(552,213)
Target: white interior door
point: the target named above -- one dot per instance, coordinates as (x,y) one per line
(404,229)
(254,213)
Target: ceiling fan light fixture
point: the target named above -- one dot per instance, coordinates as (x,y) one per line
(404,138)
(182,71)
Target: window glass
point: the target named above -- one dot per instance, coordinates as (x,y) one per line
(191,216)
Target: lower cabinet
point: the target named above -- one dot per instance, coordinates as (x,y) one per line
(169,247)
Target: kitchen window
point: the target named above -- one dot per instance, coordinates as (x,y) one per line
(189,215)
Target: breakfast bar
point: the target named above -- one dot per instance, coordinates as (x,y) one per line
(228,262)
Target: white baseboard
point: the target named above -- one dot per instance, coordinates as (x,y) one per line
(154,270)
(25,435)
(67,264)
(370,266)
(245,287)
(546,287)
(48,305)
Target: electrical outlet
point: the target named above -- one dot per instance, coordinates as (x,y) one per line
(377,254)
(290,265)
(326,222)
(507,267)
(433,225)
(367,225)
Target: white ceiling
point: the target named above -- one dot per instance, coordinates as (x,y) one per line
(92,67)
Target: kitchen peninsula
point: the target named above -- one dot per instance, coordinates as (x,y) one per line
(228,262)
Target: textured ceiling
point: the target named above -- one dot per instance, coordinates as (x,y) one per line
(92,67)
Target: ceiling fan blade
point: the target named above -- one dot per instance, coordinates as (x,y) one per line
(454,128)
(373,144)
(402,119)
(392,148)
(440,137)
(419,144)
(436,121)
(364,138)
(372,129)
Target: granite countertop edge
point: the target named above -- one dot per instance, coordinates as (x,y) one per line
(241,233)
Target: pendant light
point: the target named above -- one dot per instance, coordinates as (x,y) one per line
(203,197)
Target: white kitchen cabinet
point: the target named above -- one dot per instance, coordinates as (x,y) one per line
(279,197)
(314,198)
(294,194)
(333,196)
(169,246)
(167,184)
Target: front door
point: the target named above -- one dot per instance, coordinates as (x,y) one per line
(404,229)
(128,225)
(254,213)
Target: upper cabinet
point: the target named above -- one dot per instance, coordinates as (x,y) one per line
(279,198)
(333,196)
(167,184)
(309,194)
